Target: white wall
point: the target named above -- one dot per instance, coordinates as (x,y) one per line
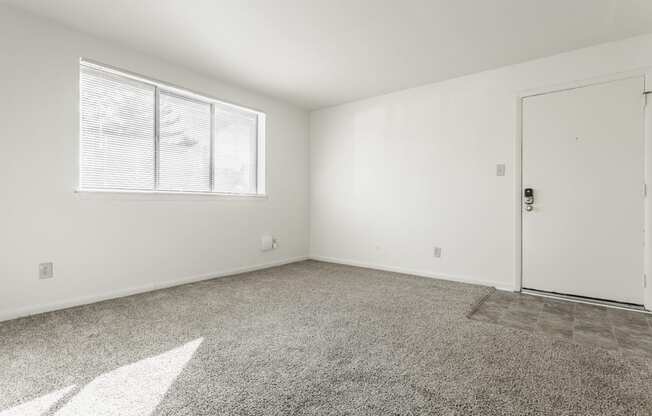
(102,246)
(395,175)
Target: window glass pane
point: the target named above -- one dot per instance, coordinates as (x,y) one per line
(236,133)
(184,144)
(116,132)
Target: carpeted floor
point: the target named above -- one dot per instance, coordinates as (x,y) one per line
(303,339)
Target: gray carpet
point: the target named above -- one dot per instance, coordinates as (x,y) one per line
(307,338)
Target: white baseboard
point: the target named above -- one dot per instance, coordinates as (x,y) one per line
(421,273)
(84,300)
(8,314)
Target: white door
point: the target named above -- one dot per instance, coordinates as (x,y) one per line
(583,157)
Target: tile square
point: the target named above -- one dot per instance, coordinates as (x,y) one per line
(555,328)
(629,320)
(588,333)
(500,298)
(636,342)
(590,312)
(527,303)
(519,319)
(561,310)
(602,324)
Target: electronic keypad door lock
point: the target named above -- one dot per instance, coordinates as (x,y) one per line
(528,199)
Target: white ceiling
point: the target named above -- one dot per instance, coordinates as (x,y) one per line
(318,53)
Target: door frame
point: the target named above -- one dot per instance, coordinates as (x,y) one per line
(646,74)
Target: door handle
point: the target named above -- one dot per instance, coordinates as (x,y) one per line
(528,199)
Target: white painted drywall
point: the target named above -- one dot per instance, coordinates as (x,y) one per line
(395,175)
(103,245)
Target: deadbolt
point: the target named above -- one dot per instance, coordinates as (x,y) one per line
(528,199)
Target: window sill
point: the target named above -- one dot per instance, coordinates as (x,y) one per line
(162,195)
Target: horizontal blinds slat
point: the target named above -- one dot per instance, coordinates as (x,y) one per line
(117,132)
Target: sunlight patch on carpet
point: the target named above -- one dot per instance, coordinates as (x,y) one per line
(134,389)
(38,406)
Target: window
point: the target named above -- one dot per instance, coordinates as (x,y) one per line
(141,135)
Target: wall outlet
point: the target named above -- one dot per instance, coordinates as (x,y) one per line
(267,243)
(500,169)
(437,252)
(45,271)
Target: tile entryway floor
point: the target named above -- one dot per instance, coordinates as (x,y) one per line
(613,329)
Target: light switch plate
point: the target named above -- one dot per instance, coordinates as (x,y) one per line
(500,169)
(45,270)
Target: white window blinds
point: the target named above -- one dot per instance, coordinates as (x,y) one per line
(140,135)
(117,132)
(185,144)
(236,135)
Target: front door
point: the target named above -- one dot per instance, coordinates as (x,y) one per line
(583,191)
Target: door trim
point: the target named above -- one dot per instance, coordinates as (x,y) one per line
(646,74)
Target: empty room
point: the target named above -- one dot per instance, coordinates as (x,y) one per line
(325,207)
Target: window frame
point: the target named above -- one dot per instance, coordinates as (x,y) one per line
(160,86)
